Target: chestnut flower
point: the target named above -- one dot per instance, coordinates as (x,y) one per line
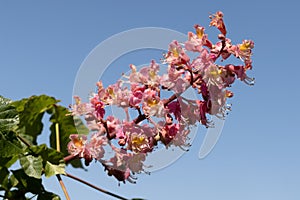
(89,150)
(160,120)
(196,41)
(152,106)
(146,76)
(176,55)
(80,108)
(217,21)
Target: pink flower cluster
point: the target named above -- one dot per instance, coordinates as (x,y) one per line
(168,119)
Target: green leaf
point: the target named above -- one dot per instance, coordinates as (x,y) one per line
(13,181)
(33,166)
(8,116)
(48,196)
(27,183)
(8,161)
(9,145)
(4,101)
(67,126)
(16,194)
(4,174)
(31,112)
(51,169)
(53,161)
(48,154)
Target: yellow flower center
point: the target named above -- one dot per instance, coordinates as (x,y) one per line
(137,141)
(152,74)
(111,92)
(152,102)
(200,32)
(175,52)
(78,142)
(245,46)
(216,72)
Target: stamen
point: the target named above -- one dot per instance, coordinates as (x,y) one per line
(186,150)
(249,81)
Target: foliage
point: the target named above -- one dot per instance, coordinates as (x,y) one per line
(20,125)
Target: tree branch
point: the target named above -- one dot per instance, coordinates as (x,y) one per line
(94,187)
(63,187)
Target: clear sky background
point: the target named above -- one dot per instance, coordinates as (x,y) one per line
(42,45)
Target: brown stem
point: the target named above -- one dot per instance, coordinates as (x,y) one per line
(222,48)
(23,140)
(95,187)
(69,158)
(57,136)
(63,187)
(139,118)
(174,96)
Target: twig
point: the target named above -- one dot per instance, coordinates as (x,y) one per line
(62,185)
(57,137)
(95,187)
(69,158)
(23,140)
(222,48)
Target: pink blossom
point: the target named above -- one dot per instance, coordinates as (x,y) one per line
(139,138)
(136,95)
(147,76)
(168,133)
(217,21)
(96,144)
(203,110)
(139,143)
(135,162)
(120,175)
(77,144)
(212,76)
(228,77)
(113,126)
(80,108)
(116,95)
(176,55)
(202,62)
(189,111)
(152,106)
(98,107)
(175,108)
(77,147)
(159,118)
(117,166)
(196,41)
(240,72)
(168,81)
(180,85)
(181,137)
(224,50)
(217,101)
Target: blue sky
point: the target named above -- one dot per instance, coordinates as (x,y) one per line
(42,45)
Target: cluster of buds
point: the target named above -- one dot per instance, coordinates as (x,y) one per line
(159,120)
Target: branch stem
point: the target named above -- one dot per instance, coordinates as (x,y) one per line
(57,137)
(23,140)
(63,187)
(94,187)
